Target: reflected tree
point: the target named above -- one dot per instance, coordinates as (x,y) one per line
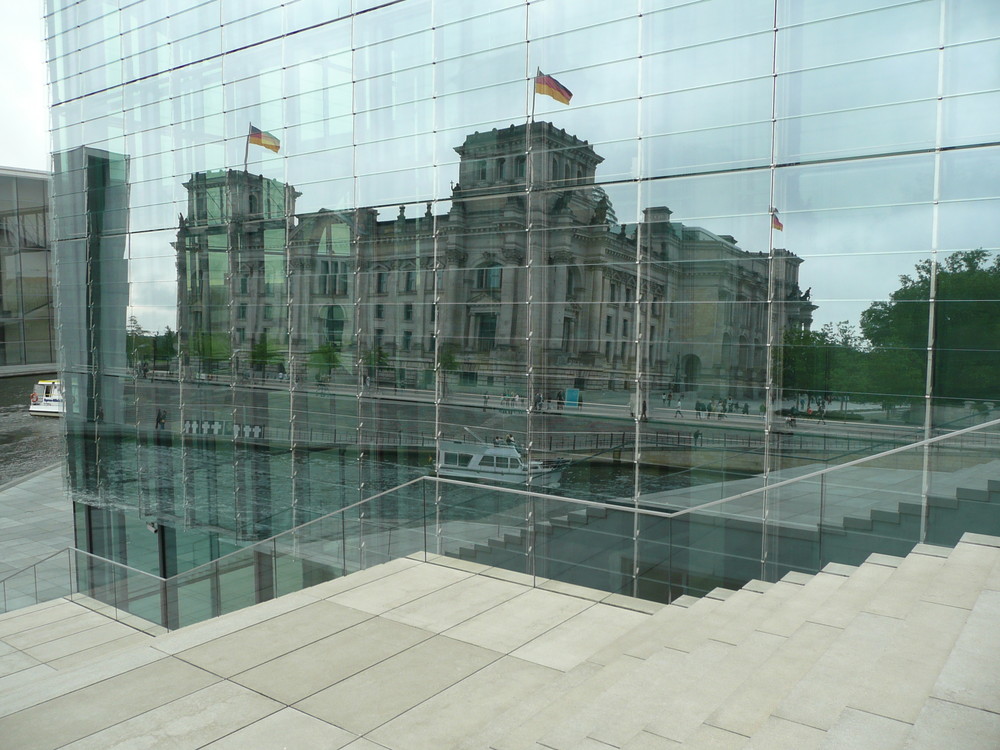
(966,330)
(824,364)
(325,359)
(263,354)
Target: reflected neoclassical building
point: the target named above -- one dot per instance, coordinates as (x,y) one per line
(27,315)
(301,285)
(263,289)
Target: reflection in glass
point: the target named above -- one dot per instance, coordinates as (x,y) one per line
(740,256)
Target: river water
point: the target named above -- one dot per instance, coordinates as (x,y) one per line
(27,443)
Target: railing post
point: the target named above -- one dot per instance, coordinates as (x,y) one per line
(822,501)
(530,530)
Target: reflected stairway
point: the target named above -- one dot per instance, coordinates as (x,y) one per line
(894,653)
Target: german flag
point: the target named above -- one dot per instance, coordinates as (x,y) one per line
(262,138)
(776,223)
(549,86)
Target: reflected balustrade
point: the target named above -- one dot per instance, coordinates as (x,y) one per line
(661,546)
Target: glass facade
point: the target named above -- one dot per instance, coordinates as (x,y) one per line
(652,254)
(27,335)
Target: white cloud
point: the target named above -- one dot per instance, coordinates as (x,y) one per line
(24,128)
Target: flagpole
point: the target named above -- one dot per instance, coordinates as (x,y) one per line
(246,148)
(531,123)
(538,72)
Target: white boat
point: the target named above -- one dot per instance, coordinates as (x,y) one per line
(500,462)
(47,399)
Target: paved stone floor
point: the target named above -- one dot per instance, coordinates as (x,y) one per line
(403,655)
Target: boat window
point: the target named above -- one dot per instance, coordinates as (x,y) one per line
(488,461)
(457,459)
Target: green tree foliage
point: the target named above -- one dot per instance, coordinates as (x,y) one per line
(211,348)
(263,353)
(823,363)
(375,358)
(325,358)
(966,330)
(151,347)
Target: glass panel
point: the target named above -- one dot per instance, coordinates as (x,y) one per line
(480,524)
(583,546)
(47,580)
(698,552)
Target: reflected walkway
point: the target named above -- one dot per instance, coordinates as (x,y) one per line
(36,518)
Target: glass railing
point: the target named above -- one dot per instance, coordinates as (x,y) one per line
(685,541)
(115,590)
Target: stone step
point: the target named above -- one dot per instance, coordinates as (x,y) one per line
(966,691)
(886,660)
(610,666)
(694,668)
(908,582)
(750,704)
(889,711)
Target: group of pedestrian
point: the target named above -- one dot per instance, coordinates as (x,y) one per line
(720,408)
(510,402)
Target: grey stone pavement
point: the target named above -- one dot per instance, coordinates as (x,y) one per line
(36,519)
(427,654)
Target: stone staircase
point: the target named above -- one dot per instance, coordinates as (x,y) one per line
(894,653)
(579,546)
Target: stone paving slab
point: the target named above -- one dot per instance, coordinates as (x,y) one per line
(281,729)
(76,714)
(456,712)
(451,605)
(377,695)
(316,666)
(518,620)
(569,643)
(256,644)
(399,588)
(187,722)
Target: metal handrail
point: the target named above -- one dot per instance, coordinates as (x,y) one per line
(527,493)
(600,504)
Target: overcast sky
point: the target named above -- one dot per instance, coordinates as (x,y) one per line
(24,127)
(878,210)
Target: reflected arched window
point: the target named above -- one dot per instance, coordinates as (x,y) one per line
(572,282)
(555,169)
(501,169)
(334,325)
(727,350)
(520,166)
(489,277)
(481,169)
(254,203)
